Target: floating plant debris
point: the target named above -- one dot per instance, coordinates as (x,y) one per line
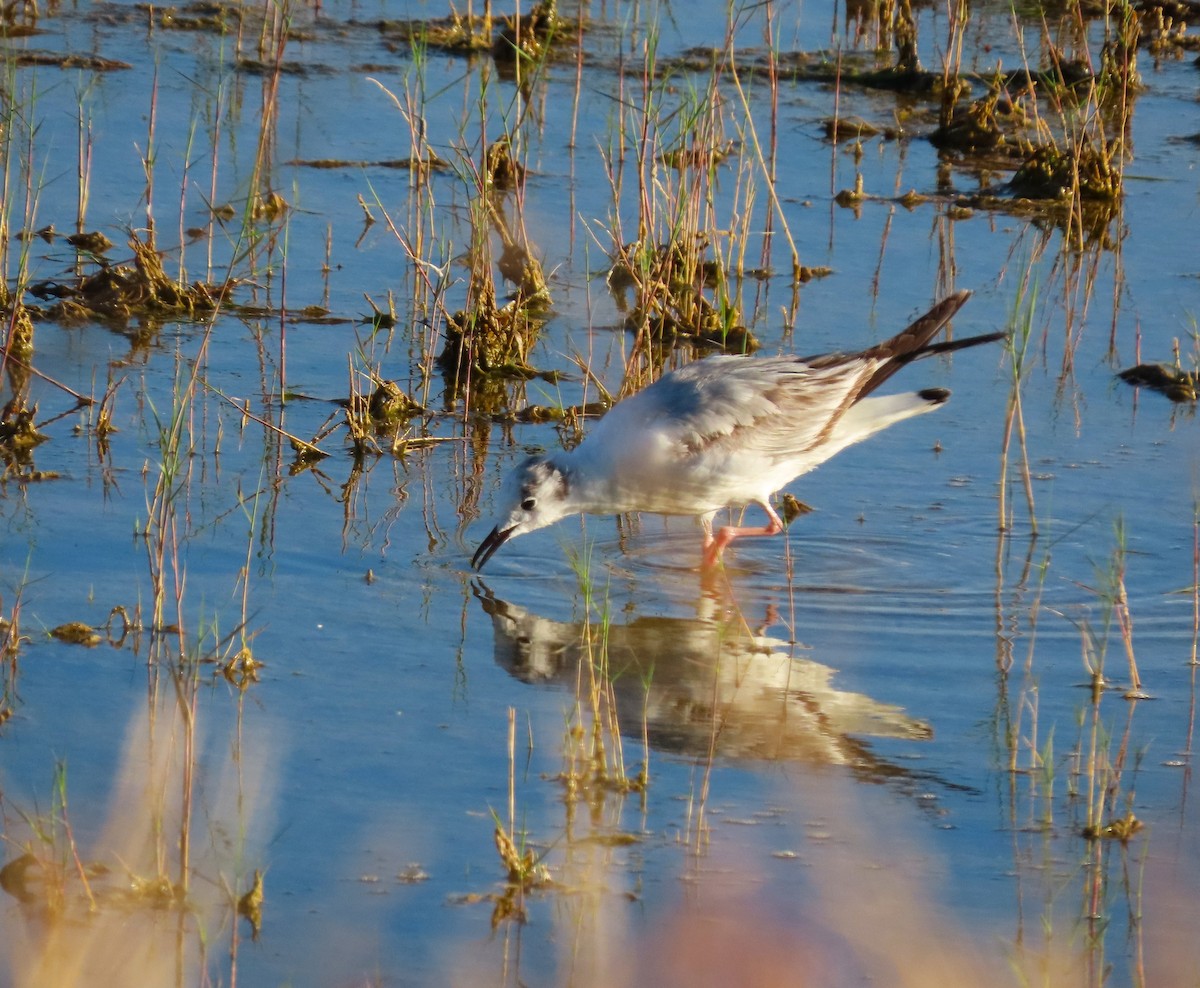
(1174,382)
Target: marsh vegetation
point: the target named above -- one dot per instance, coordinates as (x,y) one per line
(287,287)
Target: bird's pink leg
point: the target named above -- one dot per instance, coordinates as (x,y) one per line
(715,545)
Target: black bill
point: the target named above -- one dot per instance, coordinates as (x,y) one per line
(487,548)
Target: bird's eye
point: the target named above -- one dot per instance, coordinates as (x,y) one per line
(528,504)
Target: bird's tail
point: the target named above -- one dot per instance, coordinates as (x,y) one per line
(871,415)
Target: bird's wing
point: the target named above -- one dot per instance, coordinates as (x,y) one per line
(763,410)
(777,407)
(781,408)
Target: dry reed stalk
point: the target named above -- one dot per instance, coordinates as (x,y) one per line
(767,170)
(428,295)
(181,273)
(149,158)
(1195,580)
(84,165)
(512,770)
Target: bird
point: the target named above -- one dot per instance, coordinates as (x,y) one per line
(725,431)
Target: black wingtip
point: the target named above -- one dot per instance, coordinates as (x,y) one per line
(912,343)
(935,396)
(949,306)
(949,346)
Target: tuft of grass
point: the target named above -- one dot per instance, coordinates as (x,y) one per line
(594,752)
(1017,345)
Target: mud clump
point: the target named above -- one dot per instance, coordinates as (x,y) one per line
(123,291)
(489,340)
(1174,382)
(1050,172)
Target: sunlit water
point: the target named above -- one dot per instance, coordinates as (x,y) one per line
(827,722)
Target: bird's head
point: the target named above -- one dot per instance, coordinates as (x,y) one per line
(536,494)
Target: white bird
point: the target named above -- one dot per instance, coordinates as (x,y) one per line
(725,431)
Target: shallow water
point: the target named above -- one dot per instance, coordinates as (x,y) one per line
(829,730)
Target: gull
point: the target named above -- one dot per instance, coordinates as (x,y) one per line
(727,431)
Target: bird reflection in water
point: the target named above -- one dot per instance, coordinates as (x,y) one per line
(705,686)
